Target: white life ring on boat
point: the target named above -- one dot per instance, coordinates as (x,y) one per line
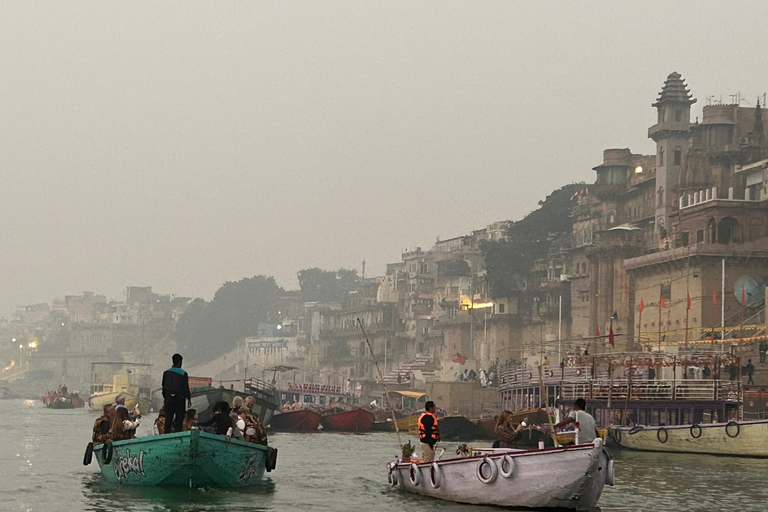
(493,468)
(414,474)
(609,476)
(435,475)
(507,466)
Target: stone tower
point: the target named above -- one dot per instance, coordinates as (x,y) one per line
(672,136)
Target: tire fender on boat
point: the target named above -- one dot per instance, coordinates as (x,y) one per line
(88,457)
(617,435)
(493,467)
(509,462)
(634,430)
(662,438)
(609,475)
(270,461)
(394,473)
(414,474)
(732,424)
(106,452)
(695,431)
(435,475)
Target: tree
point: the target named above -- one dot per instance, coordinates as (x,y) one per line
(319,285)
(206,330)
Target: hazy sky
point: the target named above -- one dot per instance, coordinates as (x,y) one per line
(184,144)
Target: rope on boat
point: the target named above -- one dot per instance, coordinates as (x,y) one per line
(383,383)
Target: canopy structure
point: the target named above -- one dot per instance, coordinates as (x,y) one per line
(407,394)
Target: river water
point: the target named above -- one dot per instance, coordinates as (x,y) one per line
(41,453)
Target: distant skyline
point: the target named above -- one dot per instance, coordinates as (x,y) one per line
(181,145)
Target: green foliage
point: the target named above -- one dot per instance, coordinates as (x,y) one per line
(509,261)
(206,330)
(408,450)
(326,286)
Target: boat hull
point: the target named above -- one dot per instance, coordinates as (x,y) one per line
(99,400)
(358,420)
(191,459)
(570,477)
(304,420)
(746,439)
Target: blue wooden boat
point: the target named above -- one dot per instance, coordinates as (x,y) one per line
(193,459)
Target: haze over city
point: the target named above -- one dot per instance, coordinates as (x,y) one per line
(181,145)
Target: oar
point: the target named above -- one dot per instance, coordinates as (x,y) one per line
(546,404)
(381,377)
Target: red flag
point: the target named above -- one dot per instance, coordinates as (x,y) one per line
(459,359)
(662,303)
(597,331)
(689,301)
(641,307)
(743,296)
(610,336)
(714,297)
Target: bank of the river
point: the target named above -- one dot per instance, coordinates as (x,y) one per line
(41,469)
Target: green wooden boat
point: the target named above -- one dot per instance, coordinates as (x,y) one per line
(193,459)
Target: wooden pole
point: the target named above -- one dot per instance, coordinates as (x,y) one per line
(381,376)
(546,404)
(659,327)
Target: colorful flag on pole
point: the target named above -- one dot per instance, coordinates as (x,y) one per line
(662,303)
(743,296)
(689,302)
(714,297)
(459,359)
(641,307)
(610,336)
(597,331)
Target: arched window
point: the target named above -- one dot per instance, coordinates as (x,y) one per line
(712,231)
(678,155)
(727,231)
(661,156)
(678,115)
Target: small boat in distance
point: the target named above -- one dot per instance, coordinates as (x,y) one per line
(190,459)
(566,477)
(110,379)
(62,399)
(301,420)
(357,420)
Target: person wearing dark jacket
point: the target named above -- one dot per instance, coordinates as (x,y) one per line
(222,421)
(175,390)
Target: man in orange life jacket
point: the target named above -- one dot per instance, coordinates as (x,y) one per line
(429,434)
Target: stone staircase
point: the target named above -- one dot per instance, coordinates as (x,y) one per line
(421,367)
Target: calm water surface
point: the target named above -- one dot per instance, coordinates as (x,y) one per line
(41,453)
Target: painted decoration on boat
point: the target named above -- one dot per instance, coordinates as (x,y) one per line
(126,465)
(250,471)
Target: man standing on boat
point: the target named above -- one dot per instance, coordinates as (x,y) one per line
(585,423)
(429,434)
(175,390)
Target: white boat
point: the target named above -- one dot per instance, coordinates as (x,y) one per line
(565,477)
(743,438)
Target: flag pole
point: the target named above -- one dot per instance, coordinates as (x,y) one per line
(660,308)
(687,313)
(714,317)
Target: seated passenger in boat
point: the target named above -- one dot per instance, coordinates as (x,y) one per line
(101,427)
(190,420)
(254,431)
(122,426)
(159,427)
(508,433)
(221,421)
(584,422)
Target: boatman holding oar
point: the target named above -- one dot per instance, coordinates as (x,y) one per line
(429,434)
(175,390)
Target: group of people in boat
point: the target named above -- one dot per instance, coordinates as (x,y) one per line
(235,420)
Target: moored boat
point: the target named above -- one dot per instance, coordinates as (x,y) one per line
(356,420)
(570,477)
(191,459)
(745,438)
(302,420)
(110,379)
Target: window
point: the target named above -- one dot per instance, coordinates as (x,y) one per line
(666,292)
(700,236)
(684,236)
(678,115)
(501,308)
(678,155)
(661,156)
(584,296)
